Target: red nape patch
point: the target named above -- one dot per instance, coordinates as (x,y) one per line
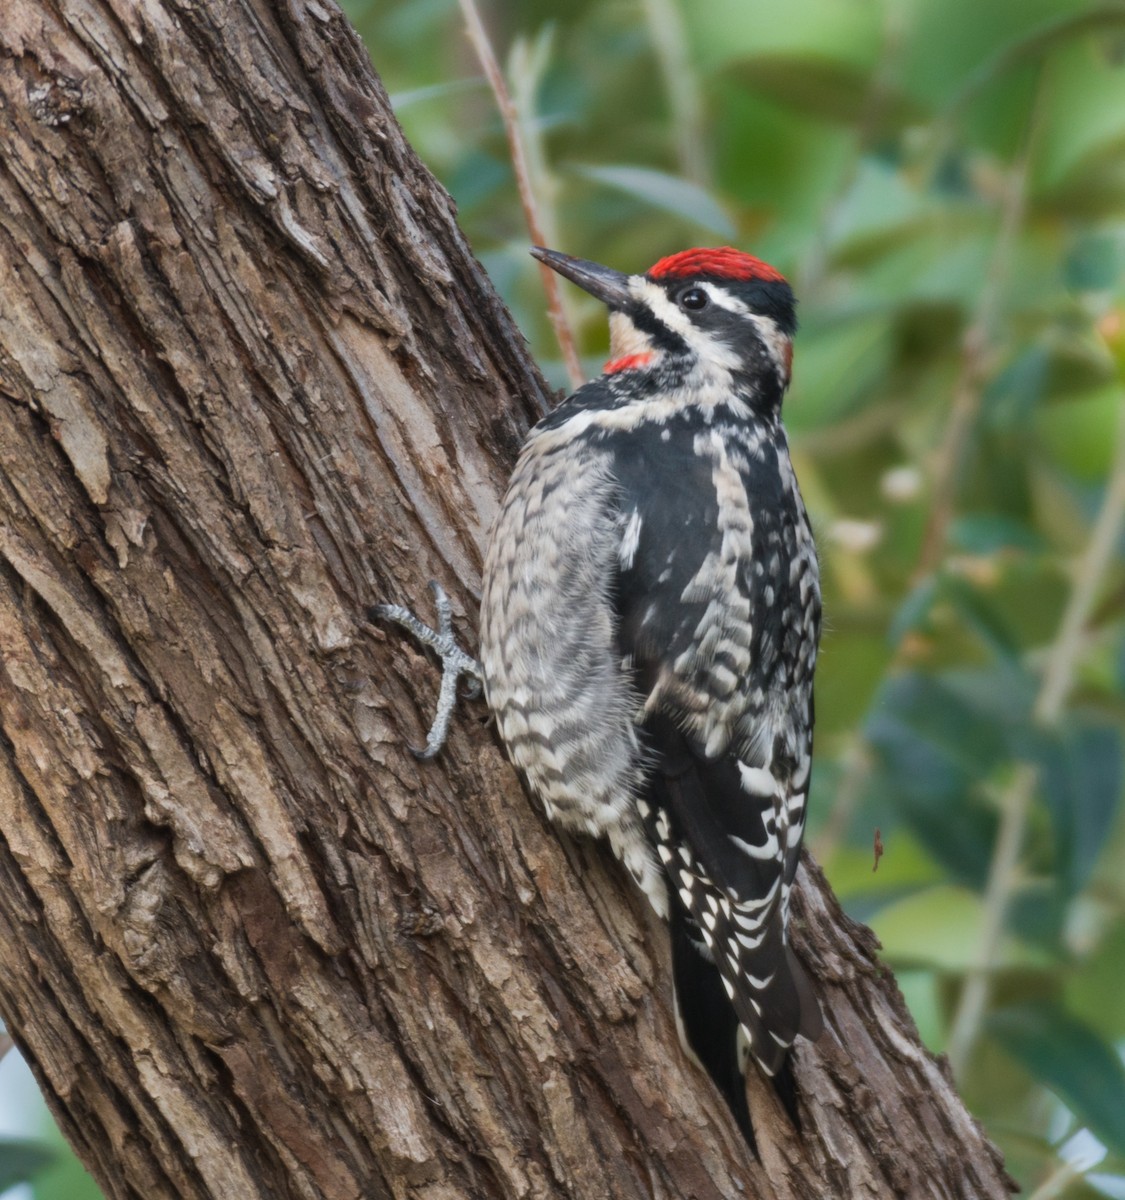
(724,262)
(627,363)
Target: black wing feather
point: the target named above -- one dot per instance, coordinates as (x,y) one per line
(699,815)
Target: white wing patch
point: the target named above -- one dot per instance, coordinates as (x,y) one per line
(758,781)
(631,539)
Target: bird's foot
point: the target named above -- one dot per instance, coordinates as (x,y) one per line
(454,662)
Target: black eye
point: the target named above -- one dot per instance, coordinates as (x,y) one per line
(693,298)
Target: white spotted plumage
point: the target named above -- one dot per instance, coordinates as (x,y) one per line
(649,628)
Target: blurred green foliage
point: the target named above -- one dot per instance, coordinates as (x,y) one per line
(943,181)
(35,1161)
(22,1159)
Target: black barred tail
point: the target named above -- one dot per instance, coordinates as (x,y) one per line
(774,1015)
(707,1023)
(711,1031)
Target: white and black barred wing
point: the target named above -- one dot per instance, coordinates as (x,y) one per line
(719,614)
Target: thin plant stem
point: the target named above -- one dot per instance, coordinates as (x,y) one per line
(681,85)
(509,115)
(1003,877)
(527,62)
(814,264)
(1056,1183)
(856,761)
(1015,805)
(975,353)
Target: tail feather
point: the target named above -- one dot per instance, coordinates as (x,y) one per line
(741,994)
(811,1023)
(723,1045)
(707,1022)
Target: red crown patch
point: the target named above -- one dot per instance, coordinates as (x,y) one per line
(724,262)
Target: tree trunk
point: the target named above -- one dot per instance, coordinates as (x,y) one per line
(252,381)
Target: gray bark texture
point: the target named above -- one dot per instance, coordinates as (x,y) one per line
(252,381)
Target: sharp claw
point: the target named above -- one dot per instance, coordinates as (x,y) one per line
(454,661)
(444,609)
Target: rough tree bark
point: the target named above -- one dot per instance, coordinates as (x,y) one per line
(251,381)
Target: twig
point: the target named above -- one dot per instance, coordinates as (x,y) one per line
(969,389)
(1015,805)
(814,263)
(510,117)
(1056,1183)
(1003,875)
(527,62)
(856,762)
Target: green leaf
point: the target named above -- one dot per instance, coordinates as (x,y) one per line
(1095,262)
(1037,915)
(914,612)
(986,533)
(434,91)
(941,927)
(1054,34)
(664,191)
(1079,434)
(1084,112)
(881,210)
(1092,986)
(1069,1058)
(921,993)
(1105,1184)
(1081,780)
(730,30)
(933,749)
(838,366)
(21,1159)
(982,616)
(1012,396)
(822,87)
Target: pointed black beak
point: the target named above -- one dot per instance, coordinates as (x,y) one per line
(608,286)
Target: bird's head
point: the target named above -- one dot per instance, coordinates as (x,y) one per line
(711,312)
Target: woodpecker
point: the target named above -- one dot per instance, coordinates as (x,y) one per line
(649,627)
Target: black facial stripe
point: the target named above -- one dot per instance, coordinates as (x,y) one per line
(663,338)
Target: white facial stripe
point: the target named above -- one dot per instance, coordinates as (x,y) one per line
(713,351)
(724,299)
(654,297)
(625,338)
(779,344)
